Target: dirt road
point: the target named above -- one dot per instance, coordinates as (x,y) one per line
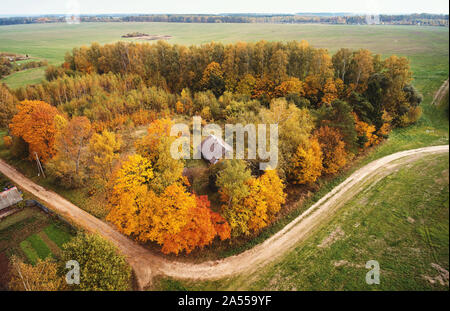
(147,264)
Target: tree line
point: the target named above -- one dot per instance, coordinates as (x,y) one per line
(404,19)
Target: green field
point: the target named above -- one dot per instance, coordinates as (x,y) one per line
(407,232)
(29,76)
(426,46)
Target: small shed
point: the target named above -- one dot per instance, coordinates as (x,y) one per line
(9,197)
(217,146)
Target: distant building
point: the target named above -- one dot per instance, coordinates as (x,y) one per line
(215,143)
(10,197)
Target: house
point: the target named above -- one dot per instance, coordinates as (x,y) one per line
(217,146)
(9,197)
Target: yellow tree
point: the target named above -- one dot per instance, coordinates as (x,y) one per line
(202,226)
(130,194)
(265,200)
(255,203)
(341,62)
(307,163)
(362,68)
(167,170)
(71,139)
(7,106)
(104,150)
(290,86)
(171,218)
(365,132)
(278,66)
(213,79)
(166,214)
(147,146)
(322,65)
(330,92)
(294,128)
(397,70)
(43,276)
(246,85)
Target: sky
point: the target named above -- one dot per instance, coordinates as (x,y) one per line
(39,7)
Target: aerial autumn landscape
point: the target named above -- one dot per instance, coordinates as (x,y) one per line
(224,147)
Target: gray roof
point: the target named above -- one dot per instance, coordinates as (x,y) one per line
(217,142)
(9,198)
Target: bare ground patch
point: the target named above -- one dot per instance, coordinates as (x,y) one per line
(153,37)
(334,236)
(441,278)
(341,263)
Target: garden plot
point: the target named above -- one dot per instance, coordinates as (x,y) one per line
(30,234)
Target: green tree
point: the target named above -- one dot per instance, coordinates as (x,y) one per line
(231,181)
(294,129)
(340,117)
(102,267)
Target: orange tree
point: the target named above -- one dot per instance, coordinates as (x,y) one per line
(333,149)
(35,124)
(201,228)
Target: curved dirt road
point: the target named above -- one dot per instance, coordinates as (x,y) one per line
(439,96)
(147,264)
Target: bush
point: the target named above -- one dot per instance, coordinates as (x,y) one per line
(7,141)
(410,117)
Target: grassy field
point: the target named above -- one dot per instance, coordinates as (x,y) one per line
(28,76)
(427,47)
(407,232)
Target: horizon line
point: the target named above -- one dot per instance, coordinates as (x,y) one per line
(222,14)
